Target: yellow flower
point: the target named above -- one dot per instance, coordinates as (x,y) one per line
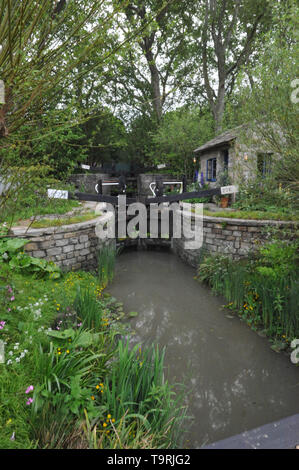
(109,416)
(92,397)
(97,387)
(104,425)
(113,420)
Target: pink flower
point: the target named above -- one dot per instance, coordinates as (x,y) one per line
(29,389)
(29,401)
(12,298)
(9,309)
(2,324)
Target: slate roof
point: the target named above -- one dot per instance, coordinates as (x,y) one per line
(224,138)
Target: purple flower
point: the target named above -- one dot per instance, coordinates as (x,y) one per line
(12,298)
(30,389)
(29,401)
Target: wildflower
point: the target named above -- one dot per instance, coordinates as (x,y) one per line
(104,425)
(109,416)
(2,324)
(13,436)
(12,298)
(29,401)
(92,397)
(29,389)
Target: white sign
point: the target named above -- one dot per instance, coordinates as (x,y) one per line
(58,194)
(85,167)
(162,165)
(229,189)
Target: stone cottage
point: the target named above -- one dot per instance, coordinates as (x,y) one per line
(238,154)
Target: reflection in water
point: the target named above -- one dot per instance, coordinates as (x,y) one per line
(236,381)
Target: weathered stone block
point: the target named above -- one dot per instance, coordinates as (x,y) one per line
(68,248)
(83,238)
(237,233)
(84,252)
(39,254)
(48,244)
(31,247)
(54,251)
(62,242)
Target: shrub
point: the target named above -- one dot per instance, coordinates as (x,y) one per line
(264,288)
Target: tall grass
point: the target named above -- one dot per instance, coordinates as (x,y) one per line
(264,289)
(88,309)
(106,264)
(139,398)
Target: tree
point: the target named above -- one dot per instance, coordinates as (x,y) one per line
(271,107)
(180,132)
(149,74)
(228,38)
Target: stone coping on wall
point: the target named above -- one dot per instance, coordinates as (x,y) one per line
(39,232)
(73,246)
(245,222)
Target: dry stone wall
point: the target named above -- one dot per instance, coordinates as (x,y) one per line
(69,246)
(233,237)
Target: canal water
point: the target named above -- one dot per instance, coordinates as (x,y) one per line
(235,381)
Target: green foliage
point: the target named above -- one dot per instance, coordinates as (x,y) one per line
(88,309)
(106,264)
(179,133)
(264,194)
(11,246)
(136,393)
(62,375)
(26,194)
(264,289)
(196,187)
(269,106)
(10,249)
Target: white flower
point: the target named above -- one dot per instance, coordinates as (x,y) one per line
(10,353)
(9,362)
(17,359)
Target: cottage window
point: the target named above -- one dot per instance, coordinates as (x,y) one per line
(211,169)
(264,161)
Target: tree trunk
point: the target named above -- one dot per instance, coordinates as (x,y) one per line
(218,109)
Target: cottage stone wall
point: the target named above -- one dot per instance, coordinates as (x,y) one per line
(233,237)
(69,246)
